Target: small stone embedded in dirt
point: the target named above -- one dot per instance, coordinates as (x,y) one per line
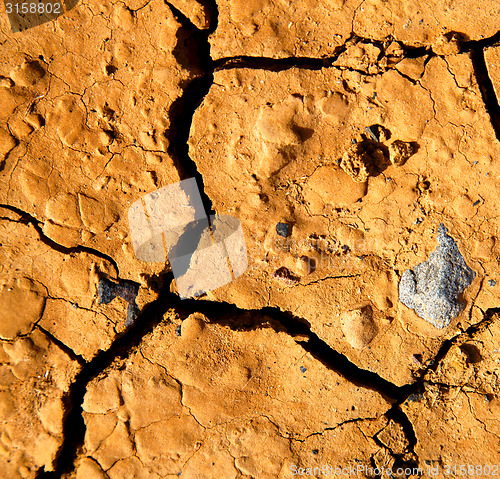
(132,313)
(372,132)
(283,229)
(432,288)
(285,275)
(400,151)
(107,291)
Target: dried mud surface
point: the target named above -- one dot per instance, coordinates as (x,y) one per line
(342,134)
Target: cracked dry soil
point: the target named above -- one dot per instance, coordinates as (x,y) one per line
(363,126)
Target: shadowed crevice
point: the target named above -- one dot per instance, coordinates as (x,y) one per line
(239,319)
(486,87)
(192,51)
(315,63)
(476,48)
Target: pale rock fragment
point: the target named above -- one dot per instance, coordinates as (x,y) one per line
(432,288)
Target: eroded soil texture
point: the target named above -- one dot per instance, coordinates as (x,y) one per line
(357,144)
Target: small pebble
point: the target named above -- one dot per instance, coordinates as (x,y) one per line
(372,133)
(178,330)
(303,369)
(283,229)
(415,397)
(491,282)
(107,291)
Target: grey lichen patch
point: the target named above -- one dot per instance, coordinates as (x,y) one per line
(432,288)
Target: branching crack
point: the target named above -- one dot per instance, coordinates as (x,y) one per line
(26,218)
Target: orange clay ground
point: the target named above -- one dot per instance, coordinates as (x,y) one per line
(360,125)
